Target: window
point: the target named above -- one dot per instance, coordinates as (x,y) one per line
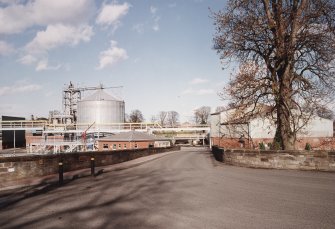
(105,146)
(135,145)
(114,146)
(125,146)
(120,146)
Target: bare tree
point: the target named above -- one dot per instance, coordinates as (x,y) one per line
(126,118)
(286,52)
(172,118)
(153,119)
(326,113)
(220,108)
(201,115)
(224,108)
(162,117)
(136,116)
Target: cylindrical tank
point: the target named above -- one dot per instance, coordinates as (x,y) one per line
(100,108)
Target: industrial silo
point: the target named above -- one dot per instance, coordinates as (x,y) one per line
(100,108)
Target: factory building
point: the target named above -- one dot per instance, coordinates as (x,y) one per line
(83,124)
(11,138)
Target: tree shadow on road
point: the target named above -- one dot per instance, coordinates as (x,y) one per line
(118,199)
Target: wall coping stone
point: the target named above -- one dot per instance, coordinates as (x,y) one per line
(35,157)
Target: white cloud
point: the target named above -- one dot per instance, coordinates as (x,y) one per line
(110,14)
(156,18)
(19,87)
(139,28)
(155,27)
(5,48)
(205,92)
(112,56)
(58,35)
(43,65)
(28,59)
(18,16)
(153,9)
(36,51)
(198,81)
(64,11)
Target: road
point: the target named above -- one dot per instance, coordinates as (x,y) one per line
(186,189)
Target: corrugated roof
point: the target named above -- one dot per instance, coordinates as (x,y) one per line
(100,95)
(130,136)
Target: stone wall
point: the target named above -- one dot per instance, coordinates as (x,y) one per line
(314,142)
(20,167)
(320,160)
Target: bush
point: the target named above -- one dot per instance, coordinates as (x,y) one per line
(261,146)
(274,146)
(308,146)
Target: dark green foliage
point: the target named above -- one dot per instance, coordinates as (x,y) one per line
(308,146)
(261,146)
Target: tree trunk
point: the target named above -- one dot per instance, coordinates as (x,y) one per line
(285,136)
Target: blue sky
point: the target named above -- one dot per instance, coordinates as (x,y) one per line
(159,51)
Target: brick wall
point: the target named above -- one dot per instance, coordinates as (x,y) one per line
(40,139)
(20,167)
(320,160)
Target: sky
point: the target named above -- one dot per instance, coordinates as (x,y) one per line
(159,51)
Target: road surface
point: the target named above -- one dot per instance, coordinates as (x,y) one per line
(186,189)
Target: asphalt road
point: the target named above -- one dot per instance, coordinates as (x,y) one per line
(186,189)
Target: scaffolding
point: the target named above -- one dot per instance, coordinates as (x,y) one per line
(71,96)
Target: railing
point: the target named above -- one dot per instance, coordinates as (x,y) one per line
(96,127)
(42,146)
(22,124)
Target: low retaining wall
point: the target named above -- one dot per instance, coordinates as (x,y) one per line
(278,159)
(20,167)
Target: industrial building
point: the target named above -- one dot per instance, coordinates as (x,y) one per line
(131,140)
(84,122)
(260,129)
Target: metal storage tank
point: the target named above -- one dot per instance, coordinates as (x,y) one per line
(100,108)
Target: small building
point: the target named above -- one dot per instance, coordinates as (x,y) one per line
(131,140)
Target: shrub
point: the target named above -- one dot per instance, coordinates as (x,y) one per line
(261,146)
(275,146)
(308,146)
